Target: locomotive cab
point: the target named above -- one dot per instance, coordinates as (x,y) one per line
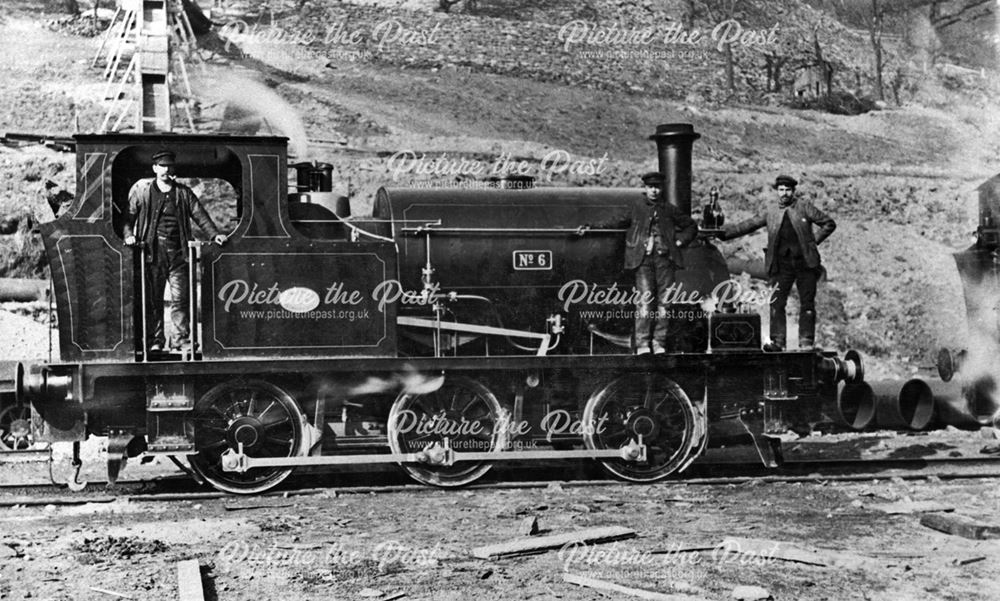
(270,289)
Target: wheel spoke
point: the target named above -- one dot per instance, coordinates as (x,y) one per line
(223,443)
(263,413)
(616,440)
(418,402)
(281,442)
(283,421)
(472,402)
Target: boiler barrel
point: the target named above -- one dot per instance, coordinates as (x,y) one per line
(524,240)
(522,249)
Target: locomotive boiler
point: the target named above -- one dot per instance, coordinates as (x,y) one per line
(449,330)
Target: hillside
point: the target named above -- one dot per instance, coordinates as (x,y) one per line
(900,181)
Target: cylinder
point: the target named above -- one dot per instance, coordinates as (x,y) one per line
(856,405)
(673,151)
(903,405)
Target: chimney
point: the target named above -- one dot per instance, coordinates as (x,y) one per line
(673,150)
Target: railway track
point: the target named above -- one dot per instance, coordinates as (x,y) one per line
(702,473)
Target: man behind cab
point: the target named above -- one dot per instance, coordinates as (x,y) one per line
(160,212)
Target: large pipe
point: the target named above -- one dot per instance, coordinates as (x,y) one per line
(856,405)
(23,290)
(673,151)
(903,405)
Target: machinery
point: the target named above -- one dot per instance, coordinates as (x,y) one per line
(450,330)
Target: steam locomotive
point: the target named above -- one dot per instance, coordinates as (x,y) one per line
(449,330)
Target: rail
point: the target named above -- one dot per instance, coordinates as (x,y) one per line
(579,231)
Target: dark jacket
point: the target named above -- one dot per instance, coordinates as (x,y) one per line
(674,227)
(141,213)
(802,215)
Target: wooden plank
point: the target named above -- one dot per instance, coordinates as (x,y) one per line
(908,507)
(189,581)
(109,592)
(611,587)
(784,551)
(540,544)
(960,525)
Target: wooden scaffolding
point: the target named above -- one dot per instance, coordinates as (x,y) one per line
(144,52)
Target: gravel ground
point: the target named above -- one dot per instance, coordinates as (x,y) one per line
(352,546)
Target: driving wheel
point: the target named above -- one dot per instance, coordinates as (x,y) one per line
(263,417)
(649,405)
(461,410)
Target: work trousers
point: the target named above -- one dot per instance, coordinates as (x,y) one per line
(168,269)
(788,271)
(653,280)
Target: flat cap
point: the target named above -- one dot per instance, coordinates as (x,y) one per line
(653,178)
(164,157)
(785,180)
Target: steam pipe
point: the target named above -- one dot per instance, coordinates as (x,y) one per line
(673,151)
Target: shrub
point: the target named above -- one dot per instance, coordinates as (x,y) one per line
(838,103)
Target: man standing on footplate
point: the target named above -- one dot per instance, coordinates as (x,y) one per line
(792,257)
(160,212)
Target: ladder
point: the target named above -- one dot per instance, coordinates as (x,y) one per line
(153,39)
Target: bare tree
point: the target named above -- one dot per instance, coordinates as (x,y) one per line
(718,11)
(876,29)
(967,10)
(875,14)
(688,14)
(772,67)
(825,66)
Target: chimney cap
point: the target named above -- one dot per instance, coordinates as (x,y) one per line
(675,129)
